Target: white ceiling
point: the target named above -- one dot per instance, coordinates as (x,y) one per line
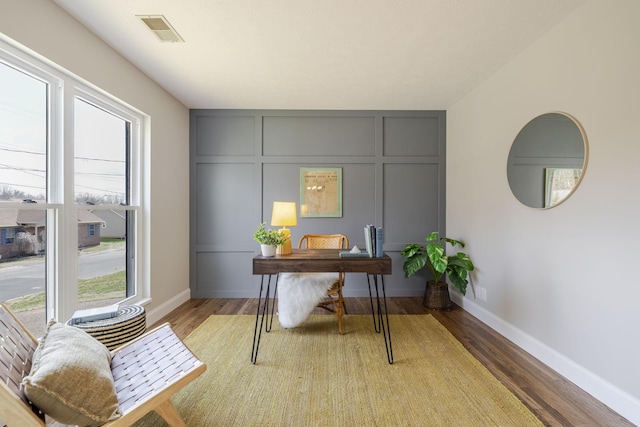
(322,54)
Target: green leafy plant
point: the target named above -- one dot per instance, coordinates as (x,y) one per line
(433,256)
(269,237)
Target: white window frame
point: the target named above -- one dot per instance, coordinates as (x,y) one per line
(62,226)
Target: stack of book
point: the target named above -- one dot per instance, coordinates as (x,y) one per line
(374,240)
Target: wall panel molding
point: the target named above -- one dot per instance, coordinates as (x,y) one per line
(393,168)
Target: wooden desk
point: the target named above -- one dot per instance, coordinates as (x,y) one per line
(321,261)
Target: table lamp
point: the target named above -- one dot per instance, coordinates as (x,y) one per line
(284,214)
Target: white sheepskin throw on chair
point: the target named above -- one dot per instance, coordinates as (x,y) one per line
(299,293)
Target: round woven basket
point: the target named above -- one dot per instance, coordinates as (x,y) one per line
(436,296)
(129,323)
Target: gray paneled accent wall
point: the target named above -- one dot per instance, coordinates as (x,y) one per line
(393,175)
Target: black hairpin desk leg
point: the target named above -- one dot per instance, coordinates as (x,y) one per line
(263,310)
(382,323)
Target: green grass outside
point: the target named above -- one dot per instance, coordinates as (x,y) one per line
(98,288)
(106,244)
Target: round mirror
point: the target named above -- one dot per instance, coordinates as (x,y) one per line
(547,160)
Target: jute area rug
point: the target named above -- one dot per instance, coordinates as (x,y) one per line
(312,376)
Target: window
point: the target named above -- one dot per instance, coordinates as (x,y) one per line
(74,225)
(8,236)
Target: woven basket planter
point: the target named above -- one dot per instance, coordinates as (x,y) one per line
(436,296)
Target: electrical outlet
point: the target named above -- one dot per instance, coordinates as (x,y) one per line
(481,293)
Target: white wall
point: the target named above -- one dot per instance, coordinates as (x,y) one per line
(561,283)
(43,27)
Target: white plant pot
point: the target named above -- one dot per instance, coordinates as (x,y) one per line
(268,250)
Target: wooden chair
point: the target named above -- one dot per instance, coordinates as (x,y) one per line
(147,372)
(335,301)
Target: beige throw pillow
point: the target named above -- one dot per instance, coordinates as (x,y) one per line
(70,378)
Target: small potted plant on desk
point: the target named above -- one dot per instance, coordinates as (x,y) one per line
(433,256)
(269,239)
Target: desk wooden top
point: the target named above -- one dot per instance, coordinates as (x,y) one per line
(320,261)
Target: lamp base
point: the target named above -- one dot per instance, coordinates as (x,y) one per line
(285,248)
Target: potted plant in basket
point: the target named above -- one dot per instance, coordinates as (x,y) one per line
(433,256)
(269,239)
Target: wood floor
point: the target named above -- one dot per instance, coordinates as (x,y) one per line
(552,398)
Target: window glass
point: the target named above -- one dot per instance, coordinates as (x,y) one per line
(23,136)
(102,257)
(101,142)
(23,178)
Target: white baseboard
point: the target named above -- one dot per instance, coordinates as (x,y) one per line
(167,307)
(618,400)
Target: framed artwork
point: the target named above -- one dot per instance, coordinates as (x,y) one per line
(320,192)
(558,184)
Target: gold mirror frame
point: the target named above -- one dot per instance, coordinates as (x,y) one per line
(547,160)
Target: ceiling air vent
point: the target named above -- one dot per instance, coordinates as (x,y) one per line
(159,25)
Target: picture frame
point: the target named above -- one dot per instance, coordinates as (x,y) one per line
(320,192)
(559,183)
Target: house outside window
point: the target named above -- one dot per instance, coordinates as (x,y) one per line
(48,116)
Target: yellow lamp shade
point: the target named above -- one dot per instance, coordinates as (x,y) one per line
(284,214)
